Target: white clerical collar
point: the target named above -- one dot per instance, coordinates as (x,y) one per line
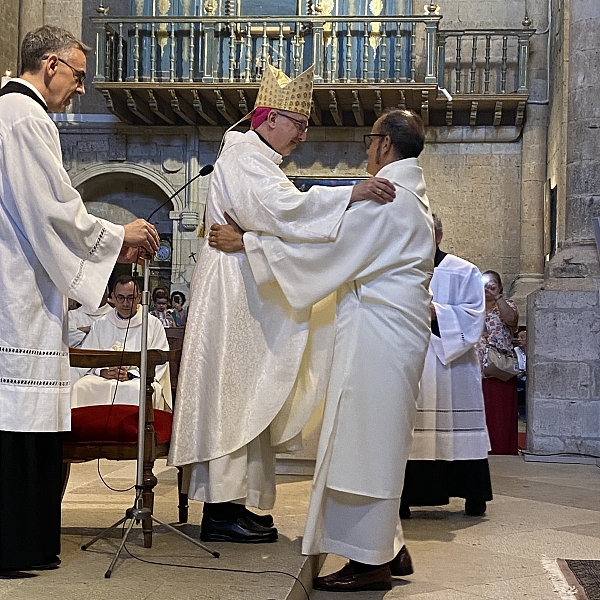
(122,323)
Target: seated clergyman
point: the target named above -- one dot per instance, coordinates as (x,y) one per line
(121,329)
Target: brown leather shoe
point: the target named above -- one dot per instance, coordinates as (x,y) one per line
(401,565)
(349,580)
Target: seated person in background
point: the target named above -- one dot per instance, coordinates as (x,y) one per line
(121,329)
(81,319)
(161,307)
(179,313)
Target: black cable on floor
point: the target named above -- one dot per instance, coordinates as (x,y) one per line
(161,564)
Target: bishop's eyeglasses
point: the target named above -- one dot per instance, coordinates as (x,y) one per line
(368,138)
(302,126)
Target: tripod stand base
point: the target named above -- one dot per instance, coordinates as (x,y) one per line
(134,515)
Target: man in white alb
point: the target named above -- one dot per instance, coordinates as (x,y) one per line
(450,446)
(380,263)
(253,368)
(51,249)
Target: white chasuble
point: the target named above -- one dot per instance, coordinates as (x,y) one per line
(110,332)
(250,361)
(381,261)
(450,421)
(50,249)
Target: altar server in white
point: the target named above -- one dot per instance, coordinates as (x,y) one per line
(253,368)
(380,264)
(82,318)
(50,249)
(117,331)
(450,446)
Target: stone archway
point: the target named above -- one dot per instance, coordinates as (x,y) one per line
(123,196)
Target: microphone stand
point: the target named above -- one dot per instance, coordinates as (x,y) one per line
(138,512)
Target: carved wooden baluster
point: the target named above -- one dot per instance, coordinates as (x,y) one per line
(486,72)
(265,46)
(248,67)
(334,52)
(504,64)
(136,53)
(120,54)
(398,53)
(153,52)
(192,51)
(413,52)
(281,53)
(232,28)
(383,54)
(473,65)
(458,67)
(172,54)
(348,50)
(365,68)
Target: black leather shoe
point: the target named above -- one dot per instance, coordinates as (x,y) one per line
(404,512)
(242,530)
(349,579)
(262,520)
(474,509)
(401,565)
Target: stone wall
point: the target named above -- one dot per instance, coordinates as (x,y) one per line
(9,40)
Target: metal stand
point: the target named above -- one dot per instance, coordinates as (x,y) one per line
(138,512)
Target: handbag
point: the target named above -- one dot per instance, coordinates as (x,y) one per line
(501,364)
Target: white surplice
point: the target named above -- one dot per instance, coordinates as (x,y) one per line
(450,421)
(250,362)
(381,261)
(83,317)
(108,333)
(50,249)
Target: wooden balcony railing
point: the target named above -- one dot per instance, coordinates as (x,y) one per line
(207,70)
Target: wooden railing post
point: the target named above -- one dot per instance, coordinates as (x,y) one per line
(318,54)
(523,62)
(431,28)
(101,51)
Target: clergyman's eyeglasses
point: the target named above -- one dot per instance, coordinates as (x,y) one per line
(77,74)
(302,126)
(121,298)
(368,138)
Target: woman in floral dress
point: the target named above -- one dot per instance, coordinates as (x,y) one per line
(500,397)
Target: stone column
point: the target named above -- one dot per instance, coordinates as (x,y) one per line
(564,339)
(534,163)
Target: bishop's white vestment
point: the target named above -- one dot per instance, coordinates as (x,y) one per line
(109,333)
(450,421)
(380,263)
(83,317)
(253,369)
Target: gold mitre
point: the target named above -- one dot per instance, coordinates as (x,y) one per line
(277,90)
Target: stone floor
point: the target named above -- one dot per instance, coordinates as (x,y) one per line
(540,509)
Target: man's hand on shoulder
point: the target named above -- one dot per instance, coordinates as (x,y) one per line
(377,188)
(226,238)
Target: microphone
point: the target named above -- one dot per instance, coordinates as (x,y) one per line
(205,170)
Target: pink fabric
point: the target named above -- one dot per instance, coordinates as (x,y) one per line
(259,116)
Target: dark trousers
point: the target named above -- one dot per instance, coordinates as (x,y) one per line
(30,497)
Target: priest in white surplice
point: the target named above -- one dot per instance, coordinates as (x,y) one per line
(450,446)
(116,331)
(380,264)
(50,249)
(253,368)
